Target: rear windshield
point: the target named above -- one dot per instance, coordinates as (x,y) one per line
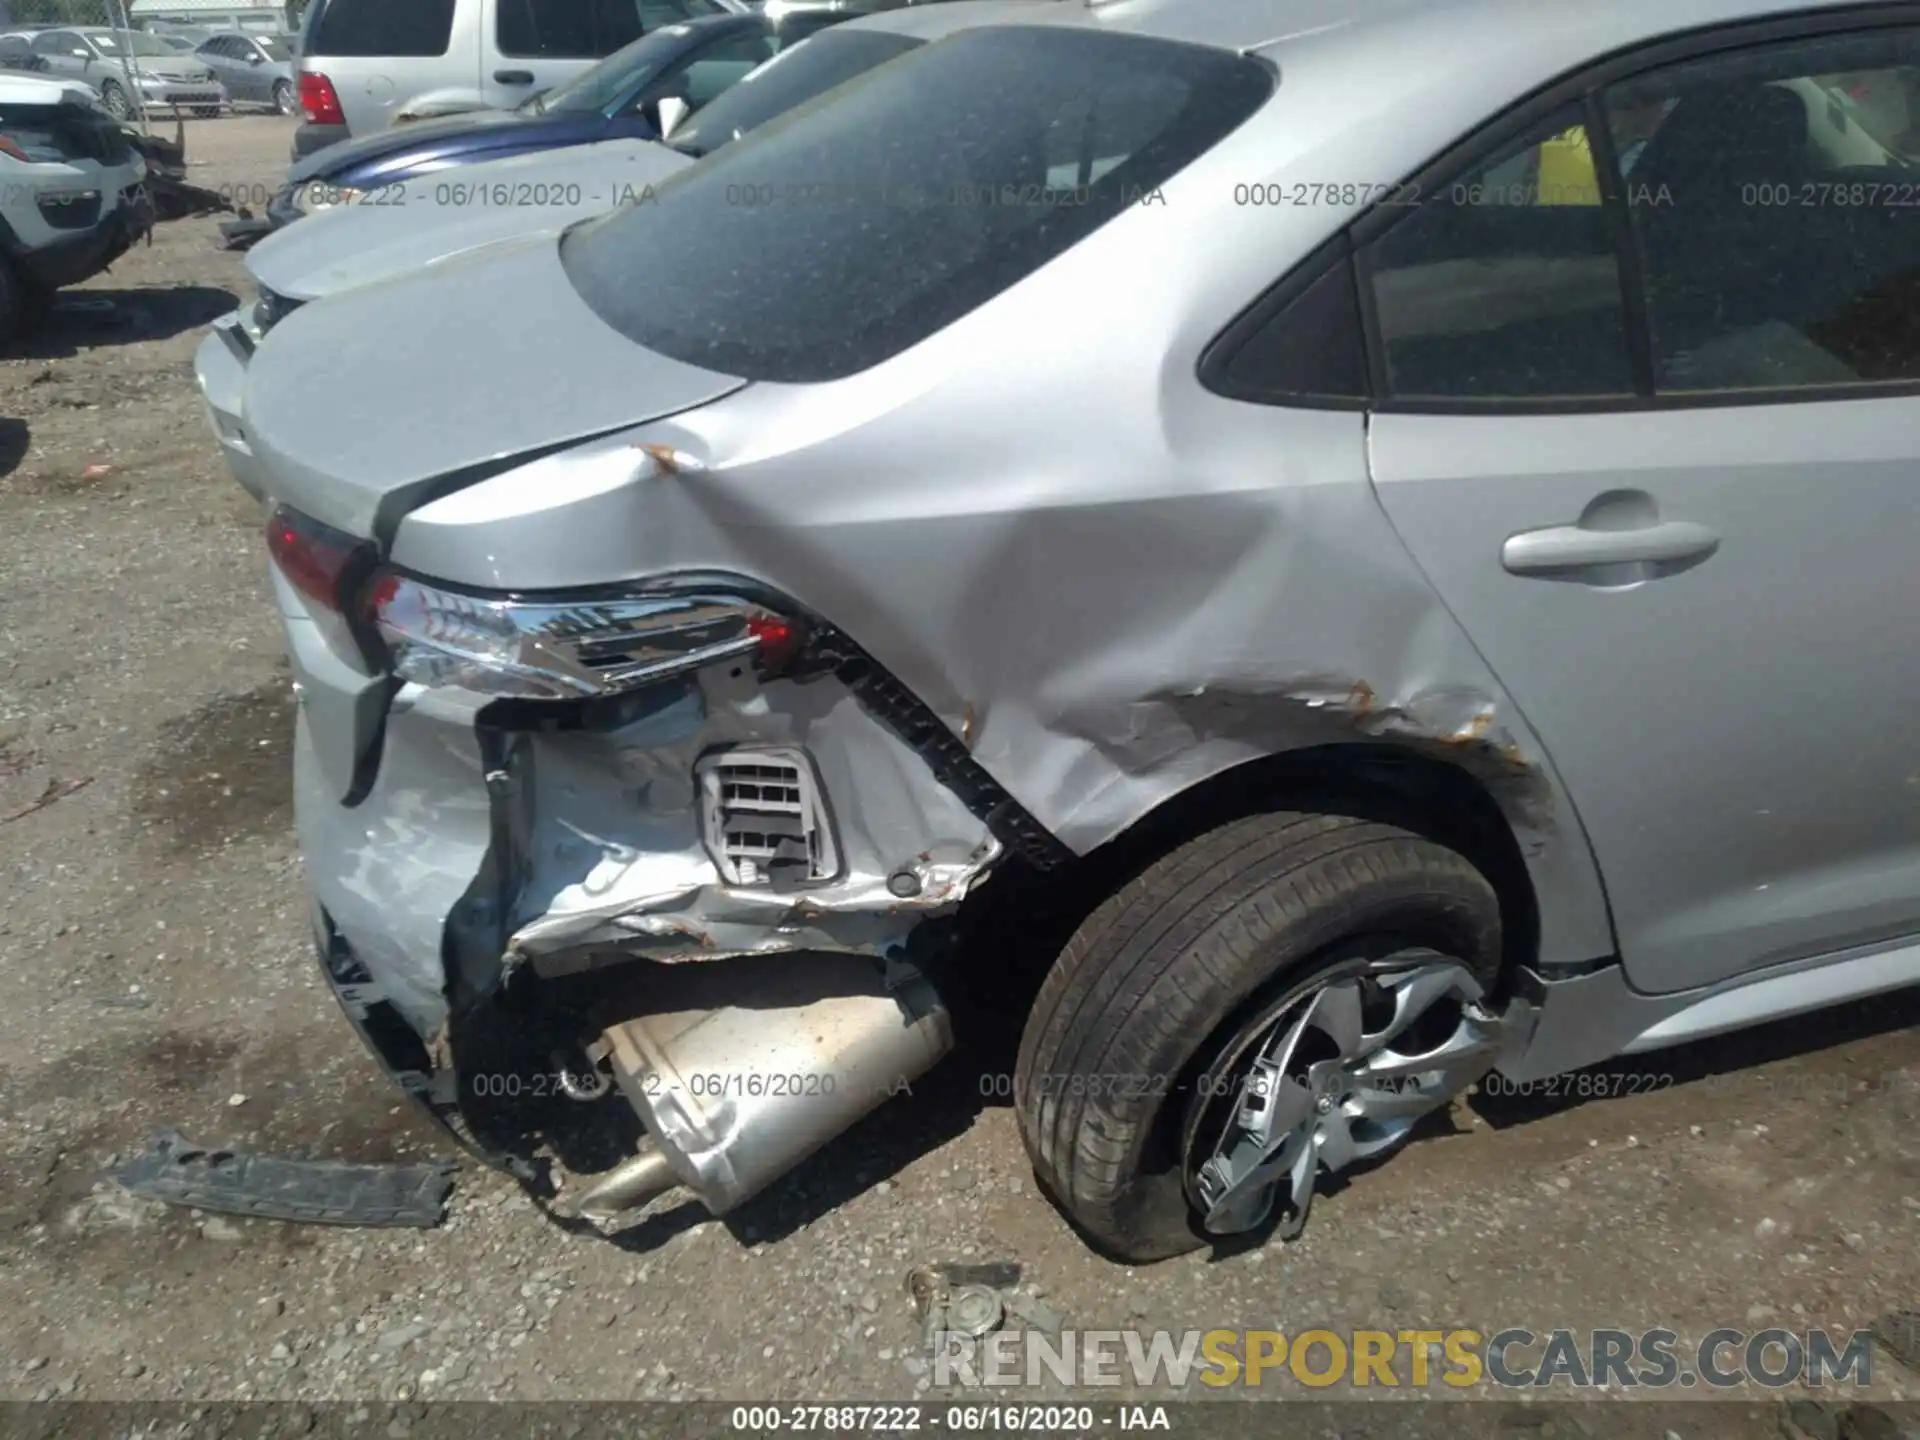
(787,81)
(858,225)
(380,27)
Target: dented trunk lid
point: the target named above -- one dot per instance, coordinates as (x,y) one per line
(363,404)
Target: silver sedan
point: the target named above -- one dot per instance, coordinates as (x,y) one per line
(256,69)
(1378,525)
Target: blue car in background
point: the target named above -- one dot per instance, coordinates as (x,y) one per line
(618,98)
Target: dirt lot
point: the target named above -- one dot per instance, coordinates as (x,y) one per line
(154,969)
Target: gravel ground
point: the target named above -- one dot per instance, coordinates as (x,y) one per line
(154,969)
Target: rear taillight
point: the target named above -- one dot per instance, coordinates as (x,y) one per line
(315,559)
(328,569)
(569,648)
(319,99)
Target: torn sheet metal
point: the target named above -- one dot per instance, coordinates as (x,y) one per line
(1103,627)
(265,1187)
(615,865)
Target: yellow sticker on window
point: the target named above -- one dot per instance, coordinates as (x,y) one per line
(1566,170)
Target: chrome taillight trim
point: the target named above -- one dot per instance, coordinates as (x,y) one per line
(561,648)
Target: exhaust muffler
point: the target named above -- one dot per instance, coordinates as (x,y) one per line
(761,1064)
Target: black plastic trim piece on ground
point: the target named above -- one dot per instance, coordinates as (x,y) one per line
(265,1187)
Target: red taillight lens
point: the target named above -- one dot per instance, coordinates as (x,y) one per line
(319,99)
(315,559)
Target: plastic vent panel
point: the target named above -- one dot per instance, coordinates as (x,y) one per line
(764,819)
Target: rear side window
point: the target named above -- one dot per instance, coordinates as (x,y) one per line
(380,27)
(850,229)
(1302,343)
(1505,282)
(586,29)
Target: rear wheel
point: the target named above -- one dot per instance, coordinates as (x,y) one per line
(284,100)
(1283,996)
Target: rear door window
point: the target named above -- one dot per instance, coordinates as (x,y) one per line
(381,27)
(858,225)
(1505,282)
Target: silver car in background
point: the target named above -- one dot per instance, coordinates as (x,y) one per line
(1399,578)
(255,69)
(131,69)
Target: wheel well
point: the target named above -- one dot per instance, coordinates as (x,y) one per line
(1387,783)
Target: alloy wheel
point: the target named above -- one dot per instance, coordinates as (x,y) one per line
(1328,1078)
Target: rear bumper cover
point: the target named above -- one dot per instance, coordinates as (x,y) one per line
(311,137)
(80,256)
(477,849)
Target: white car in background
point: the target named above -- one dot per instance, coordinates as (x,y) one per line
(72,194)
(345,246)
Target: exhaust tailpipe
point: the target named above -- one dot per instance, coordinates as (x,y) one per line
(783,1056)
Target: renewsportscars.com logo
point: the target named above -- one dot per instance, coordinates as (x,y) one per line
(1511,1359)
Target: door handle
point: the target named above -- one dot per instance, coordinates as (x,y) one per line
(513,77)
(1575,547)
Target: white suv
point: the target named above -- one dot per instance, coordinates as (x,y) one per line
(72,194)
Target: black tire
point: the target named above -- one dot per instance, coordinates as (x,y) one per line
(14,303)
(114,97)
(1151,979)
(284,100)
(36,305)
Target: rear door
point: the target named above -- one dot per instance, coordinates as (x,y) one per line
(1660,454)
(218,55)
(533,45)
(247,73)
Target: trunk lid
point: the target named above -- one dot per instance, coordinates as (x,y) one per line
(359,406)
(353,245)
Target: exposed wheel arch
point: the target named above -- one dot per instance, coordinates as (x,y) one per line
(1394,784)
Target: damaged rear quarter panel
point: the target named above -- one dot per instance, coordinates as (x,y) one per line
(612,853)
(1110,582)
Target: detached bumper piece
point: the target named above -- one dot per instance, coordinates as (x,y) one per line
(313,1192)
